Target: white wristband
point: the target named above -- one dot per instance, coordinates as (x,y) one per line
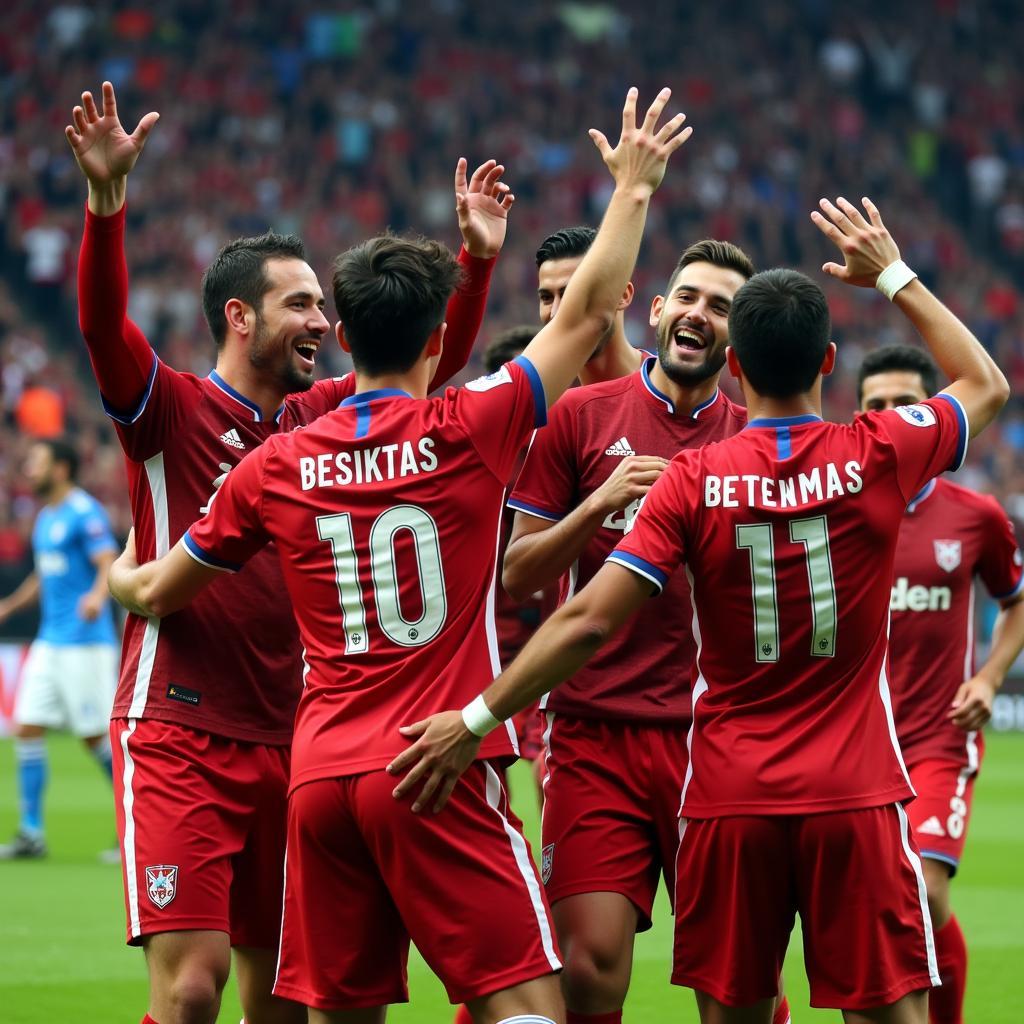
(895,276)
(478,718)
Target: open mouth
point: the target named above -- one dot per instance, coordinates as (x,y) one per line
(689,339)
(306,351)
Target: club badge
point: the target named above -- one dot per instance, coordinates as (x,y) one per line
(162,883)
(947,554)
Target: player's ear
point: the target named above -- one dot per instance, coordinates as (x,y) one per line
(627,296)
(657,305)
(435,343)
(828,364)
(733,363)
(339,333)
(239,316)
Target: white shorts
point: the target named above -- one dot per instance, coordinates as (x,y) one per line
(68,687)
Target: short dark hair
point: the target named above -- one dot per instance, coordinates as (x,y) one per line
(898,359)
(566,244)
(391,292)
(719,254)
(780,328)
(239,271)
(507,345)
(62,450)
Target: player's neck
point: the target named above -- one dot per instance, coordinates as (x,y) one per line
(617,359)
(760,407)
(685,397)
(59,491)
(415,382)
(250,382)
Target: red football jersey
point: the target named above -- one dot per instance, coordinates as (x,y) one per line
(230,662)
(949,536)
(385,514)
(788,532)
(642,674)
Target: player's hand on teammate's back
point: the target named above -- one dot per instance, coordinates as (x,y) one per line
(443,749)
(640,158)
(482,204)
(866,245)
(972,705)
(633,478)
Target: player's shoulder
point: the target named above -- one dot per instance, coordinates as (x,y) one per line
(731,411)
(82,503)
(985,506)
(323,397)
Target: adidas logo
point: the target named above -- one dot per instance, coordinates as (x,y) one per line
(231,437)
(931,827)
(621,447)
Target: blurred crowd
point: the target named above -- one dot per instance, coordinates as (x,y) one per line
(335,120)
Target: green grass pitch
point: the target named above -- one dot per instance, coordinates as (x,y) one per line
(62,956)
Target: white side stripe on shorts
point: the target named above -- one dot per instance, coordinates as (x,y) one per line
(522,856)
(128,844)
(922,895)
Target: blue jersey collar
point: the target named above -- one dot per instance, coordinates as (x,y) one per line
(228,390)
(645,377)
(783,421)
(922,495)
(365,397)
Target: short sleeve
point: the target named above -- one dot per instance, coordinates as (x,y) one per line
(232,530)
(928,439)
(547,484)
(165,405)
(1001,567)
(499,412)
(654,546)
(97,536)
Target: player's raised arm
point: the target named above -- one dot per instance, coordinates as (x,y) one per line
(872,260)
(121,358)
(637,163)
(447,743)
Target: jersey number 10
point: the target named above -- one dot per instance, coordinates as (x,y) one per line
(759,543)
(337,530)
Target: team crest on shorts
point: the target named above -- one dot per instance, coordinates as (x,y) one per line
(947,554)
(547,855)
(162,883)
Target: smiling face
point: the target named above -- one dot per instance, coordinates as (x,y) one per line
(290,324)
(692,322)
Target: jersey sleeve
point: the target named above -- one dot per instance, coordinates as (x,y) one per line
(94,526)
(654,545)
(546,487)
(464,316)
(1001,566)
(499,411)
(928,439)
(232,531)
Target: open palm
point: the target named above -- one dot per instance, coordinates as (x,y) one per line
(482,204)
(103,149)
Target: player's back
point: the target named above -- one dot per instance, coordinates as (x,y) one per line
(789,531)
(386,515)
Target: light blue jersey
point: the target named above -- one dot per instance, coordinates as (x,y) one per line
(65,539)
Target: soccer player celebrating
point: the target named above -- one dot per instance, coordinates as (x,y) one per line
(203,714)
(557,259)
(385,514)
(949,537)
(794,792)
(71,669)
(609,828)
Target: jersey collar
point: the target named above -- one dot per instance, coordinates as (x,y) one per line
(783,421)
(365,397)
(922,495)
(221,384)
(645,378)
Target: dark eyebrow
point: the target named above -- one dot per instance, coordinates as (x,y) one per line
(713,296)
(304,296)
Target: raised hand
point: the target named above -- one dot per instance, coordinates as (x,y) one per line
(482,205)
(640,158)
(866,245)
(105,152)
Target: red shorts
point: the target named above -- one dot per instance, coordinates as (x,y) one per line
(938,817)
(611,806)
(364,874)
(853,876)
(202,825)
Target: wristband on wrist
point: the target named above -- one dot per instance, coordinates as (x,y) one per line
(895,276)
(478,718)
